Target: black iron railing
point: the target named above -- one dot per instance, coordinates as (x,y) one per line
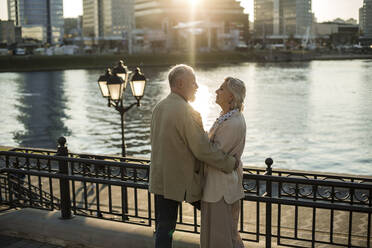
(318,196)
(295,209)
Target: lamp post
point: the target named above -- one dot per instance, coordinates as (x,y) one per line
(113,84)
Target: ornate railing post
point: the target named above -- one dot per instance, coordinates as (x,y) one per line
(10,185)
(124,195)
(63,182)
(268,172)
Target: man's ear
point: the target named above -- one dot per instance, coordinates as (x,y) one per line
(180,83)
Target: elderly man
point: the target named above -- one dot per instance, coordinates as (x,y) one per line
(178,144)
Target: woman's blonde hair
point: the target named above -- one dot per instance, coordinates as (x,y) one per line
(237,89)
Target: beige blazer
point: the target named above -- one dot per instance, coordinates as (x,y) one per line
(230,137)
(178,142)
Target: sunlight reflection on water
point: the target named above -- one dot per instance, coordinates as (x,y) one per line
(308,116)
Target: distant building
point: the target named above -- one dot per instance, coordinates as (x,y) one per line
(367,19)
(282,18)
(348,21)
(181,24)
(39,19)
(107,19)
(351,21)
(9,34)
(90,18)
(72,27)
(337,33)
(263,18)
(80,25)
(361,19)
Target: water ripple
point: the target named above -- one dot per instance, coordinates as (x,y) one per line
(308,116)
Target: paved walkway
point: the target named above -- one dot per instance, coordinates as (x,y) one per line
(44,229)
(13,242)
(47,227)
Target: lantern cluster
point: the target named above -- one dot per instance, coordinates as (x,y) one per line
(114,82)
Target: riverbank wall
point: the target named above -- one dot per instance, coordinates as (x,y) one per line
(64,62)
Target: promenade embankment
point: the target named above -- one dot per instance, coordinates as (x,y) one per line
(63,62)
(307,222)
(47,227)
(80,232)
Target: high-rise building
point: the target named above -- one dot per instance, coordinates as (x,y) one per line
(90,17)
(275,18)
(9,33)
(264,17)
(213,23)
(39,19)
(105,19)
(361,19)
(72,27)
(367,18)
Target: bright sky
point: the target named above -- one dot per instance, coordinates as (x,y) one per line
(325,10)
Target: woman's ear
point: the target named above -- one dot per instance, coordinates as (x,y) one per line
(231,102)
(231,98)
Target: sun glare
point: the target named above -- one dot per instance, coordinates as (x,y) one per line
(201,103)
(193,2)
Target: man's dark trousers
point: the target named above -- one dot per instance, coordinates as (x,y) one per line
(166,218)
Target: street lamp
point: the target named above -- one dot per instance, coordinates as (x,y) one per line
(102,82)
(137,84)
(112,85)
(122,71)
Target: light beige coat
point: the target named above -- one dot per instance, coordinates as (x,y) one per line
(178,142)
(229,136)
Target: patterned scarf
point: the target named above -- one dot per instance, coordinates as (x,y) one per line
(223,118)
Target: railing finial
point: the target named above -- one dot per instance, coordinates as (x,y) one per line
(269,162)
(62,148)
(61,141)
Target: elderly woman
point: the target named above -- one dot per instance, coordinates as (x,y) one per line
(222,192)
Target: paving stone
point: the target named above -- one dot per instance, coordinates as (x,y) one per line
(6,240)
(13,242)
(33,244)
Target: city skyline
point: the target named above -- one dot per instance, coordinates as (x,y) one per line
(324,10)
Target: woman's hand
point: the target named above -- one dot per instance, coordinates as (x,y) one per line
(237,161)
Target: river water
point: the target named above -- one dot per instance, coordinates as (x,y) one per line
(314,116)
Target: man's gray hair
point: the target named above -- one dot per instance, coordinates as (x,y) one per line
(237,89)
(177,72)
